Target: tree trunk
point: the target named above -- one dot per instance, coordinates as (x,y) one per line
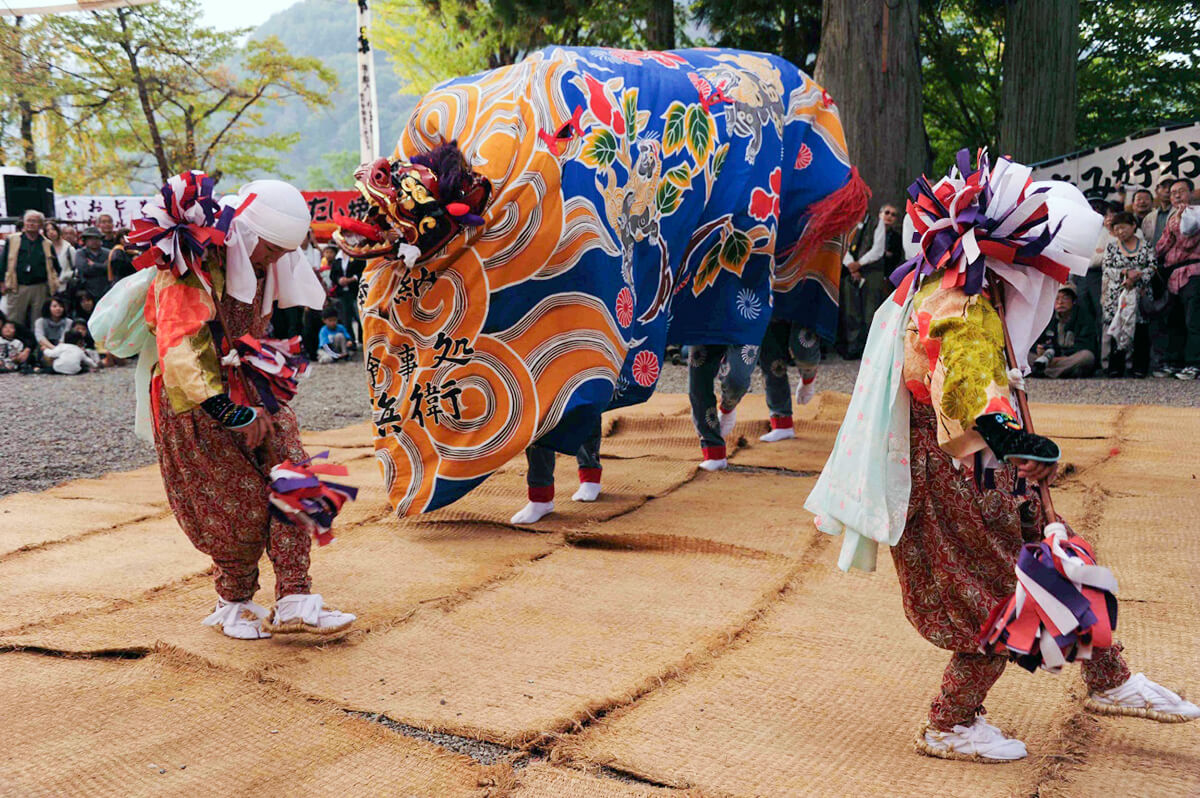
(870,64)
(660,25)
(26,112)
(160,152)
(1038,91)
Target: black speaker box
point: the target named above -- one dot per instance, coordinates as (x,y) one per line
(25,192)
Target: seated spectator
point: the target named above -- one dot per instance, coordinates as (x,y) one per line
(1180,257)
(120,261)
(334,340)
(14,355)
(1060,353)
(91,263)
(64,252)
(82,307)
(53,324)
(69,357)
(1128,266)
(88,345)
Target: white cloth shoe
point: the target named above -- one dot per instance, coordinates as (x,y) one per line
(1142,698)
(805,391)
(532,513)
(588,492)
(306,612)
(241,620)
(981,741)
(781,434)
(727,420)
(715,465)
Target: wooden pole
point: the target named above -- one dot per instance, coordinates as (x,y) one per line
(1022,401)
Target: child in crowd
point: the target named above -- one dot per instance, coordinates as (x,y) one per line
(89,346)
(333,341)
(69,357)
(13,354)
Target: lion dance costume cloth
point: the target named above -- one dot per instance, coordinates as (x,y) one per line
(605,203)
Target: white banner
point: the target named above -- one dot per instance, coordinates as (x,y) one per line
(368,100)
(83,209)
(1140,161)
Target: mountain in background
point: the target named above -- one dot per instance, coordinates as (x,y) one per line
(327,152)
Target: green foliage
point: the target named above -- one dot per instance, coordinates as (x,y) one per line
(1138,64)
(147,92)
(962,42)
(791,28)
(433,40)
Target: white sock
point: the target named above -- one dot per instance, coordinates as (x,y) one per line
(532,512)
(727,420)
(588,492)
(805,391)
(778,435)
(715,465)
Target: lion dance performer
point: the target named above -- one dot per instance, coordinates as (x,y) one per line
(541,224)
(210,276)
(932,458)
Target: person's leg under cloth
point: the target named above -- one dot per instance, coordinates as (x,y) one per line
(732,365)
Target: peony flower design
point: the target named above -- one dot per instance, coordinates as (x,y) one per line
(748,304)
(625,307)
(645,368)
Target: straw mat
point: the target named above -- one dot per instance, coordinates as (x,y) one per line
(142,485)
(95,571)
(1148,422)
(354,436)
(1137,757)
(172,725)
(32,519)
(382,572)
(736,512)
(572,634)
(541,780)
(626,484)
(1074,421)
(822,697)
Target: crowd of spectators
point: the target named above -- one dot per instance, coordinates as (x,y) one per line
(1135,313)
(55,273)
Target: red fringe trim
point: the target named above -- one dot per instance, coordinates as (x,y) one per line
(835,214)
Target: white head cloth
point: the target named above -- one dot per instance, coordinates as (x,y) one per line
(277,213)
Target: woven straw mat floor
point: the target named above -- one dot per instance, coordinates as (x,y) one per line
(686,635)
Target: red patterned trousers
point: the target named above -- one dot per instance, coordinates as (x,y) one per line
(220,499)
(968,678)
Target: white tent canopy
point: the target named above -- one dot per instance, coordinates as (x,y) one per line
(32,7)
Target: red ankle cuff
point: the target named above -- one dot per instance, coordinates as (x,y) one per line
(713,452)
(589,475)
(541,493)
(781,422)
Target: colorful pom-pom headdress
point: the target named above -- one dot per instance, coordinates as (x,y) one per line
(180,224)
(989,216)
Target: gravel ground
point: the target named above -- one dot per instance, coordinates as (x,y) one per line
(39,448)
